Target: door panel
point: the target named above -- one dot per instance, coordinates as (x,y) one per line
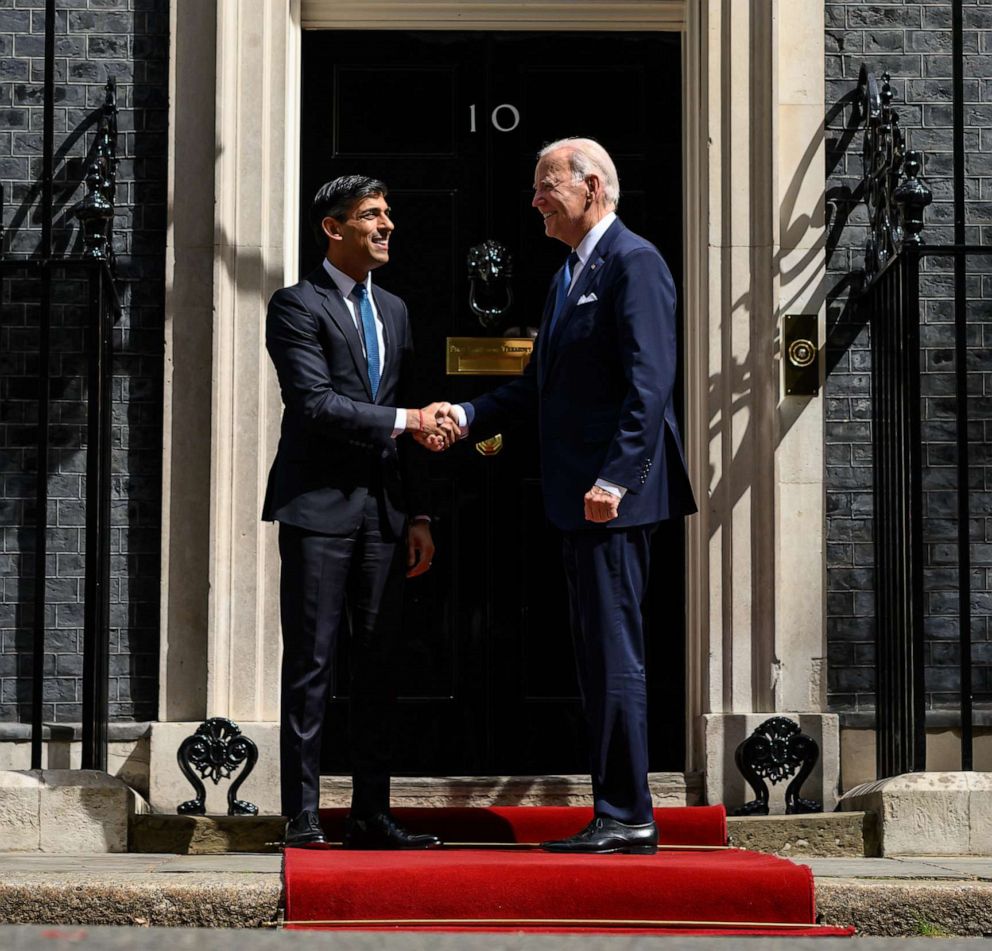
(488,676)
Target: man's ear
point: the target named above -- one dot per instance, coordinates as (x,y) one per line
(595,186)
(332,228)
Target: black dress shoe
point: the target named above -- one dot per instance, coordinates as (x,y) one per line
(604,835)
(382,831)
(305,832)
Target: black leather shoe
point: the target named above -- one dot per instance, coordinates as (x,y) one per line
(305,832)
(382,831)
(604,835)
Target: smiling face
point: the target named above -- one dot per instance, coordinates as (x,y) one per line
(360,243)
(569,207)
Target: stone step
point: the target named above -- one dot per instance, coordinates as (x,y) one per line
(667,789)
(828,834)
(205,835)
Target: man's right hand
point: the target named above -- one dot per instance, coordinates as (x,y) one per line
(433,426)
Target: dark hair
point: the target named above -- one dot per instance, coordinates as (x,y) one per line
(334,200)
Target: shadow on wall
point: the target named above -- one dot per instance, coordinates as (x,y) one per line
(139,61)
(813,291)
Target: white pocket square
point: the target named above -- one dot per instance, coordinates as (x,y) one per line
(586,299)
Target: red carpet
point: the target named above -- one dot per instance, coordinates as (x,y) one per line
(512,888)
(694,825)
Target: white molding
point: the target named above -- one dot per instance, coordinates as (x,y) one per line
(256,114)
(695,329)
(556,15)
(187,383)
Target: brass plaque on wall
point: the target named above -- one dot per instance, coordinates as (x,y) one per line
(488,356)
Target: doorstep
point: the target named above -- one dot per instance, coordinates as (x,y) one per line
(848,834)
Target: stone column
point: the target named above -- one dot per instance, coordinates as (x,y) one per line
(755,145)
(232,242)
(188,372)
(255,237)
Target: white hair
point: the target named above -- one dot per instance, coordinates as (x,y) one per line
(587,156)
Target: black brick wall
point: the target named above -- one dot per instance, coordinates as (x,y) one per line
(129,39)
(96,39)
(912,41)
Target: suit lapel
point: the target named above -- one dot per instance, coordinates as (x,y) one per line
(585,280)
(337,310)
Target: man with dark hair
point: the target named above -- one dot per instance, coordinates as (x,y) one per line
(346,492)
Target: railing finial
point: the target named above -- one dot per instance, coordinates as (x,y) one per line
(96,210)
(893,191)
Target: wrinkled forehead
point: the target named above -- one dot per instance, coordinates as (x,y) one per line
(552,168)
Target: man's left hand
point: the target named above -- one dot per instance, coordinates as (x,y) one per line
(420,548)
(601,506)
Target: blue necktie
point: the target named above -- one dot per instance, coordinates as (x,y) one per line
(561,295)
(371,338)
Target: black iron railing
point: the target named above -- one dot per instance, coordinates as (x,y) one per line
(94,269)
(896,261)
(893,307)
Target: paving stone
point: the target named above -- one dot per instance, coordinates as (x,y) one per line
(192,939)
(872,868)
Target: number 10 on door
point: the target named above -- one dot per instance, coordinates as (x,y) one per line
(505,117)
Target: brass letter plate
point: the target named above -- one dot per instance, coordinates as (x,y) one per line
(801,353)
(488,356)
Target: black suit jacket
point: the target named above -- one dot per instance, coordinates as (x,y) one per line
(336,442)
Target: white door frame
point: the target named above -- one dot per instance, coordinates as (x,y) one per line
(752,107)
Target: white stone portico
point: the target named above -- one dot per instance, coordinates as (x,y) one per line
(752,103)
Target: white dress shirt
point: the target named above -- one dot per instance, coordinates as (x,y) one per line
(588,244)
(346,285)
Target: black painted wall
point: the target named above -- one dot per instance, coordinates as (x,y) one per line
(912,41)
(95,39)
(129,39)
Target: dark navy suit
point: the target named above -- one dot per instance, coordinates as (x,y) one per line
(601,385)
(341,488)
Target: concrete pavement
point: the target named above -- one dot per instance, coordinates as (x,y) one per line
(881,896)
(191,939)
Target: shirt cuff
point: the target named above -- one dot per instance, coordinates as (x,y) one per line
(463,414)
(399,426)
(618,490)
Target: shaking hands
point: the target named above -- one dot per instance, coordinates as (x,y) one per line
(435,426)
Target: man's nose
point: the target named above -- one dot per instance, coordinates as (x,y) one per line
(536,200)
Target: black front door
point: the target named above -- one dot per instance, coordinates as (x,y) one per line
(451,122)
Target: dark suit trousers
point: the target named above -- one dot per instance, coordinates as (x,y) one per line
(322,578)
(607,572)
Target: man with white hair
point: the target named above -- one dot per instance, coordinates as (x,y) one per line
(601,383)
